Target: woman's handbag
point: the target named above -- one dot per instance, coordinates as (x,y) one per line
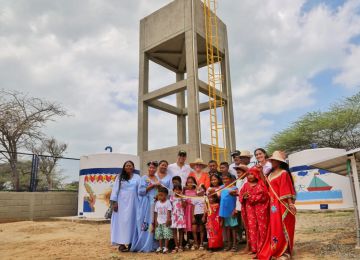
(109,211)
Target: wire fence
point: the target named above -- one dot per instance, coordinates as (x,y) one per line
(39,173)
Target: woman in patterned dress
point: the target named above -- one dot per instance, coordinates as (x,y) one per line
(280,237)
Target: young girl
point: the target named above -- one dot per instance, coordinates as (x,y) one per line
(215,184)
(228,211)
(254,198)
(177,217)
(195,212)
(162,217)
(213,225)
(189,190)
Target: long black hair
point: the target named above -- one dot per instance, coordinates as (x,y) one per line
(218,177)
(284,166)
(123,175)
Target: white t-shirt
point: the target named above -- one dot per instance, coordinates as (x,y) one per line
(267,168)
(232,171)
(174,170)
(239,185)
(199,205)
(162,209)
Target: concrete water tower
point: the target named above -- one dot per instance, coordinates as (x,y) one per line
(175,38)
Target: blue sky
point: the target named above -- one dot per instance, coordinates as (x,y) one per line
(287,58)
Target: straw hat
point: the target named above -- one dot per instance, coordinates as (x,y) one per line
(198,161)
(278,156)
(245,153)
(241,167)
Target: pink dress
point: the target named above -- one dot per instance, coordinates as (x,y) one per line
(177,213)
(189,209)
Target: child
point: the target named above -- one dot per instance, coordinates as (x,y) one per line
(215,184)
(178,217)
(195,209)
(228,211)
(189,190)
(162,218)
(201,177)
(241,174)
(176,180)
(213,225)
(199,218)
(255,207)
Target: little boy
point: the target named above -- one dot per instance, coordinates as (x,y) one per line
(162,218)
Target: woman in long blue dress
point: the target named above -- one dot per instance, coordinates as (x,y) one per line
(164,177)
(143,240)
(124,198)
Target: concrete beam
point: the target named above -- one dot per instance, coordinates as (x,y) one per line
(203,88)
(202,107)
(162,63)
(165,107)
(165,91)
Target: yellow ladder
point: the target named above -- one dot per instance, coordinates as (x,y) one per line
(215,81)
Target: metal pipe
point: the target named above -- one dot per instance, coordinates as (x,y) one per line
(355,203)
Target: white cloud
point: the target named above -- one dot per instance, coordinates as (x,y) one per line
(84,55)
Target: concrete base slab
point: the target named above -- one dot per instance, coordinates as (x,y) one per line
(81,220)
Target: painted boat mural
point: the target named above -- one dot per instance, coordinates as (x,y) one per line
(312,189)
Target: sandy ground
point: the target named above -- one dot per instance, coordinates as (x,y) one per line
(322,235)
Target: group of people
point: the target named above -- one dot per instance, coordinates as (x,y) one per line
(177,207)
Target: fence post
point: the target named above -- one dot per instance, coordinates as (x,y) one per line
(34,172)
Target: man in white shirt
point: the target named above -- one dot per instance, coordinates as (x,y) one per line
(235,155)
(180,168)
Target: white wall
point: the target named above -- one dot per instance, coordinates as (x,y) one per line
(97,176)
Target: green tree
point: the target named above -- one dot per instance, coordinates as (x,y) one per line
(339,127)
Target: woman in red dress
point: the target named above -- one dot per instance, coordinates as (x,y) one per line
(280,237)
(254,198)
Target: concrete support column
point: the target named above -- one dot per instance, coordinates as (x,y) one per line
(143,113)
(181,122)
(229,112)
(193,91)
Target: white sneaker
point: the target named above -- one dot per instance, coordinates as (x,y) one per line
(165,250)
(159,250)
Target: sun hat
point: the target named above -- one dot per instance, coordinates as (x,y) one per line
(245,153)
(198,161)
(242,167)
(278,156)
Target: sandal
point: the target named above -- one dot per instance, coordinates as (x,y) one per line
(233,249)
(123,248)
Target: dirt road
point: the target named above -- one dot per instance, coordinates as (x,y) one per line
(322,235)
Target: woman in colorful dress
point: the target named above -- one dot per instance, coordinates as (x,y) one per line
(124,198)
(254,198)
(143,240)
(163,176)
(280,236)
